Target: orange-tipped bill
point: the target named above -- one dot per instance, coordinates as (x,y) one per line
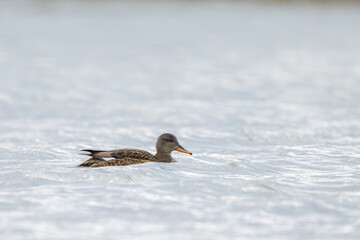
(181,149)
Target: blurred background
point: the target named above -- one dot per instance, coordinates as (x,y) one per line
(264,93)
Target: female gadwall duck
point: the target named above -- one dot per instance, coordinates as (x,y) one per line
(166,143)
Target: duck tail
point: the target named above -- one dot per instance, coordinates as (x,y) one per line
(90,151)
(98,154)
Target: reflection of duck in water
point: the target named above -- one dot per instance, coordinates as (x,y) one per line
(166,143)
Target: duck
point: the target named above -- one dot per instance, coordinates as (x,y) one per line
(165,144)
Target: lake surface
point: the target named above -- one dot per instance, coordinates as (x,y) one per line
(267,97)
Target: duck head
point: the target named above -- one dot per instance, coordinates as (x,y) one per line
(166,143)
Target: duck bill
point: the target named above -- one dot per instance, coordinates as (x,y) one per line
(181,149)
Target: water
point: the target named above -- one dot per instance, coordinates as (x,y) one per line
(265,96)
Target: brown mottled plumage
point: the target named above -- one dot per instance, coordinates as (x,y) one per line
(132,153)
(120,162)
(166,143)
(91,162)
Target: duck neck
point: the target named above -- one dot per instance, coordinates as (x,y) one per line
(163,157)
